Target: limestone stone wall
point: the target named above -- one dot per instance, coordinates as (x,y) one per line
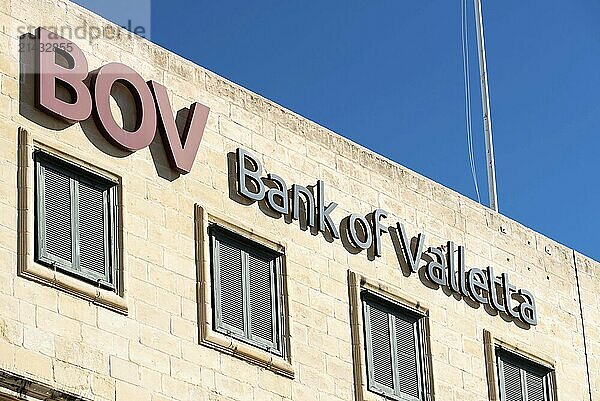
(153,352)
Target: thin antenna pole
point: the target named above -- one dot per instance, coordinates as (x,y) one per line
(485,102)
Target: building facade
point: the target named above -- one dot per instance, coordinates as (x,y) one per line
(261,257)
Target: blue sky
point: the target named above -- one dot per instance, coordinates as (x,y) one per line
(388,75)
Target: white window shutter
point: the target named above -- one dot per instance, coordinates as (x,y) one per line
(230,274)
(535,387)
(262,300)
(407,364)
(513,384)
(381,351)
(56,208)
(93,232)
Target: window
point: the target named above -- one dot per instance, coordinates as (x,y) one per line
(75,221)
(522,380)
(394,349)
(246,290)
(16,387)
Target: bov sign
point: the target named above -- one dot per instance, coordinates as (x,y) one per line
(153,109)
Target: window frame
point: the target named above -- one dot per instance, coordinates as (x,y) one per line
(210,338)
(393,311)
(27,267)
(525,365)
(76,174)
(17,387)
(498,343)
(219,234)
(357,283)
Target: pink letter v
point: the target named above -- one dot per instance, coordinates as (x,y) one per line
(180,150)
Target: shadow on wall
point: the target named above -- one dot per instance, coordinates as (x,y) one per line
(121,98)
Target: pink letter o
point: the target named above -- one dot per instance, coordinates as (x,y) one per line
(103,82)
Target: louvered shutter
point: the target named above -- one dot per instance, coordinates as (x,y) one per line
(522,380)
(230,304)
(93,231)
(535,386)
(380,351)
(246,293)
(75,217)
(513,385)
(261,293)
(407,363)
(394,358)
(56,210)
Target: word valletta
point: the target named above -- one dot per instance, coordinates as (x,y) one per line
(152,107)
(445,267)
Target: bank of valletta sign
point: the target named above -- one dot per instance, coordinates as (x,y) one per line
(445,267)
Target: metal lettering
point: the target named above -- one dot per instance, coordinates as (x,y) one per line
(527,310)
(509,289)
(462,285)
(411,260)
(378,229)
(246,176)
(436,269)
(281,193)
(493,297)
(452,281)
(353,236)
(309,204)
(325,212)
(476,285)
